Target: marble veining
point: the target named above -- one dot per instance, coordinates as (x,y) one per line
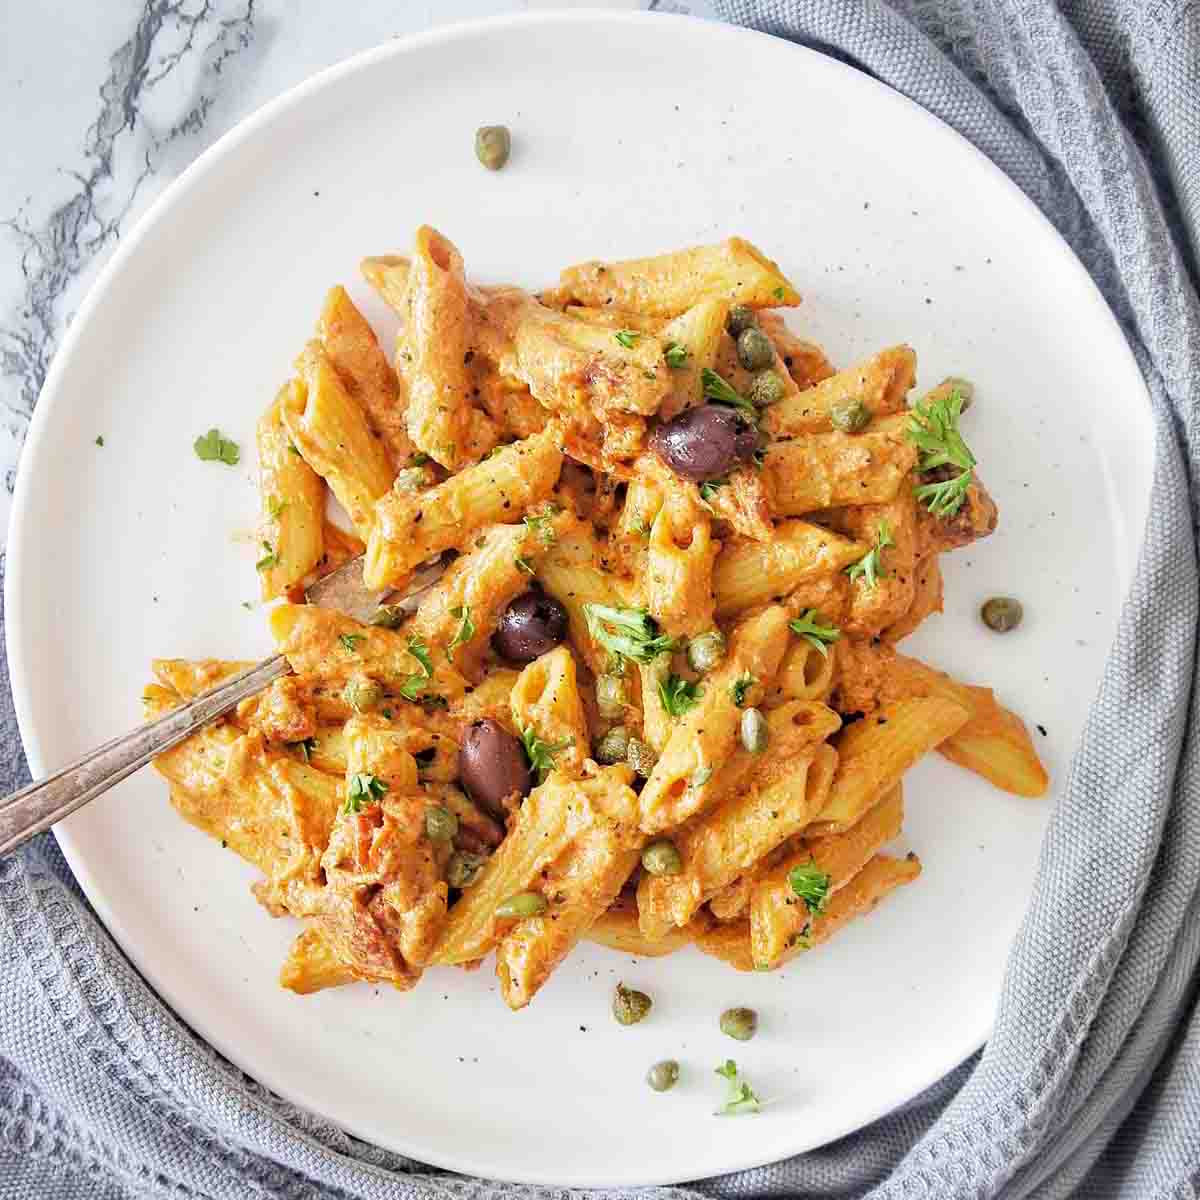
(166,77)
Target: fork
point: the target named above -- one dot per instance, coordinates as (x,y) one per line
(35,808)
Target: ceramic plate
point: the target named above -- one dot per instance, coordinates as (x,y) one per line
(632,134)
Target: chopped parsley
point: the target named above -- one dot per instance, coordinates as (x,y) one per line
(627,337)
(719,391)
(933,428)
(741,1097)
(708,489)
(630,633)
(412,687)
(678,694)
(350,641)
(213,447)
(808,626)
(275,506)
(523,565)
(466,628)
(675,355)
(779,293)
(540,524)
(364,789)
(869,568)
(420,651)
(541,754)
(740,686)
(811,884)
(269,558)
(418,460)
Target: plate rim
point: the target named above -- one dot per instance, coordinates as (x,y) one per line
(18,553)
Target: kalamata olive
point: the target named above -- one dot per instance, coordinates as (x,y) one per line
(532,625)
(705,442)
(492,765)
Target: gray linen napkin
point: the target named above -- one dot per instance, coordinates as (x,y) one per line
(1091,1081)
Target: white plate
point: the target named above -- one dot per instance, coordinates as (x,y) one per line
(633,134)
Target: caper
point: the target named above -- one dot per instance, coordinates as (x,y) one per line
(362,694)
(661,857)
(640,757)
(705,651)
(613,746)
(852,417)
(492,145)
(663,1076)
(754,349)
(1002,613)
(630,1006)
(754,731)
(612,694)
(523,904)
(440,824)
(411,479)
(389,616)
(766,389)
(741,317)
(463,868)
(740,1023)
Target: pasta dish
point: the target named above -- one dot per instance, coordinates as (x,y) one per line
(651,693)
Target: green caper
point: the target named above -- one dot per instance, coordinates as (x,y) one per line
(754,731)
(663,1076)
(705,651)
(389,616)
(523,904)
(613,747)
(740,1023)
(411,479)
(630,1006)
(612,694)
(492,145)
(741,317)
(766,389)
(362,693)
(640,757)
(440,824)
(463,868)
(754,349)
(852,417)
(661,857)
(1002,613)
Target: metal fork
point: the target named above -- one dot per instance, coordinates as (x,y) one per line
(36,807)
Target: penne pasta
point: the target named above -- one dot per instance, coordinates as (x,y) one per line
(690,343)
(546,707)
(617,928)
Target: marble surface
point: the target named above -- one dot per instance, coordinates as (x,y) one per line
(104,102)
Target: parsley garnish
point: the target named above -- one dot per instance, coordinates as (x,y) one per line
(212,447)
(678,694)
(708,489)
(675,355)
(419,651)
(627,337)
(541,754)
(411,686)
(275,506)
(418,460)
(539,523)
(292,449)
(627,632)
(523,565)
(720,392)
(364,789)
(350,641)
(811,884)
(933,428)
(808,626)
(304,748)
(870,566)
(740,686)
(466,628)
(741,1098)
(269,559)
(779,293)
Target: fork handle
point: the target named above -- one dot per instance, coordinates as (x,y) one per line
(35,808)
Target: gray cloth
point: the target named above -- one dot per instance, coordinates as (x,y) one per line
(1091,1081)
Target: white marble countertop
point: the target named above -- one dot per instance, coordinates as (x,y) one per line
(103,103)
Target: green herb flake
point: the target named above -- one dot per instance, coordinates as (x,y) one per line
(678,694)
(213,447)
(418,460)
(364,789)
(540,524)
(627,632)
(275,506)
(709,488)
(627,337)
(740,686)
(541,754)
(524,565)
(269,558)
(869,568)
(466,628)
(420,651)
(350,641)
(811,884)
(933,429)
(719,391)
(675,355)
(779,293)
(808,626)
(741,1097)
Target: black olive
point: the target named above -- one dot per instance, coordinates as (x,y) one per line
(705,442)
(532,625)
(492,765)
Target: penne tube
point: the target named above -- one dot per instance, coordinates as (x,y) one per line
(388,275)
(692,339)
(926,600)
(677,571)
(805,674)
(617,928)
(730,942)
(876,603)
(546,705)
(312,965)
(410,528)
(744,503)
(805,361)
